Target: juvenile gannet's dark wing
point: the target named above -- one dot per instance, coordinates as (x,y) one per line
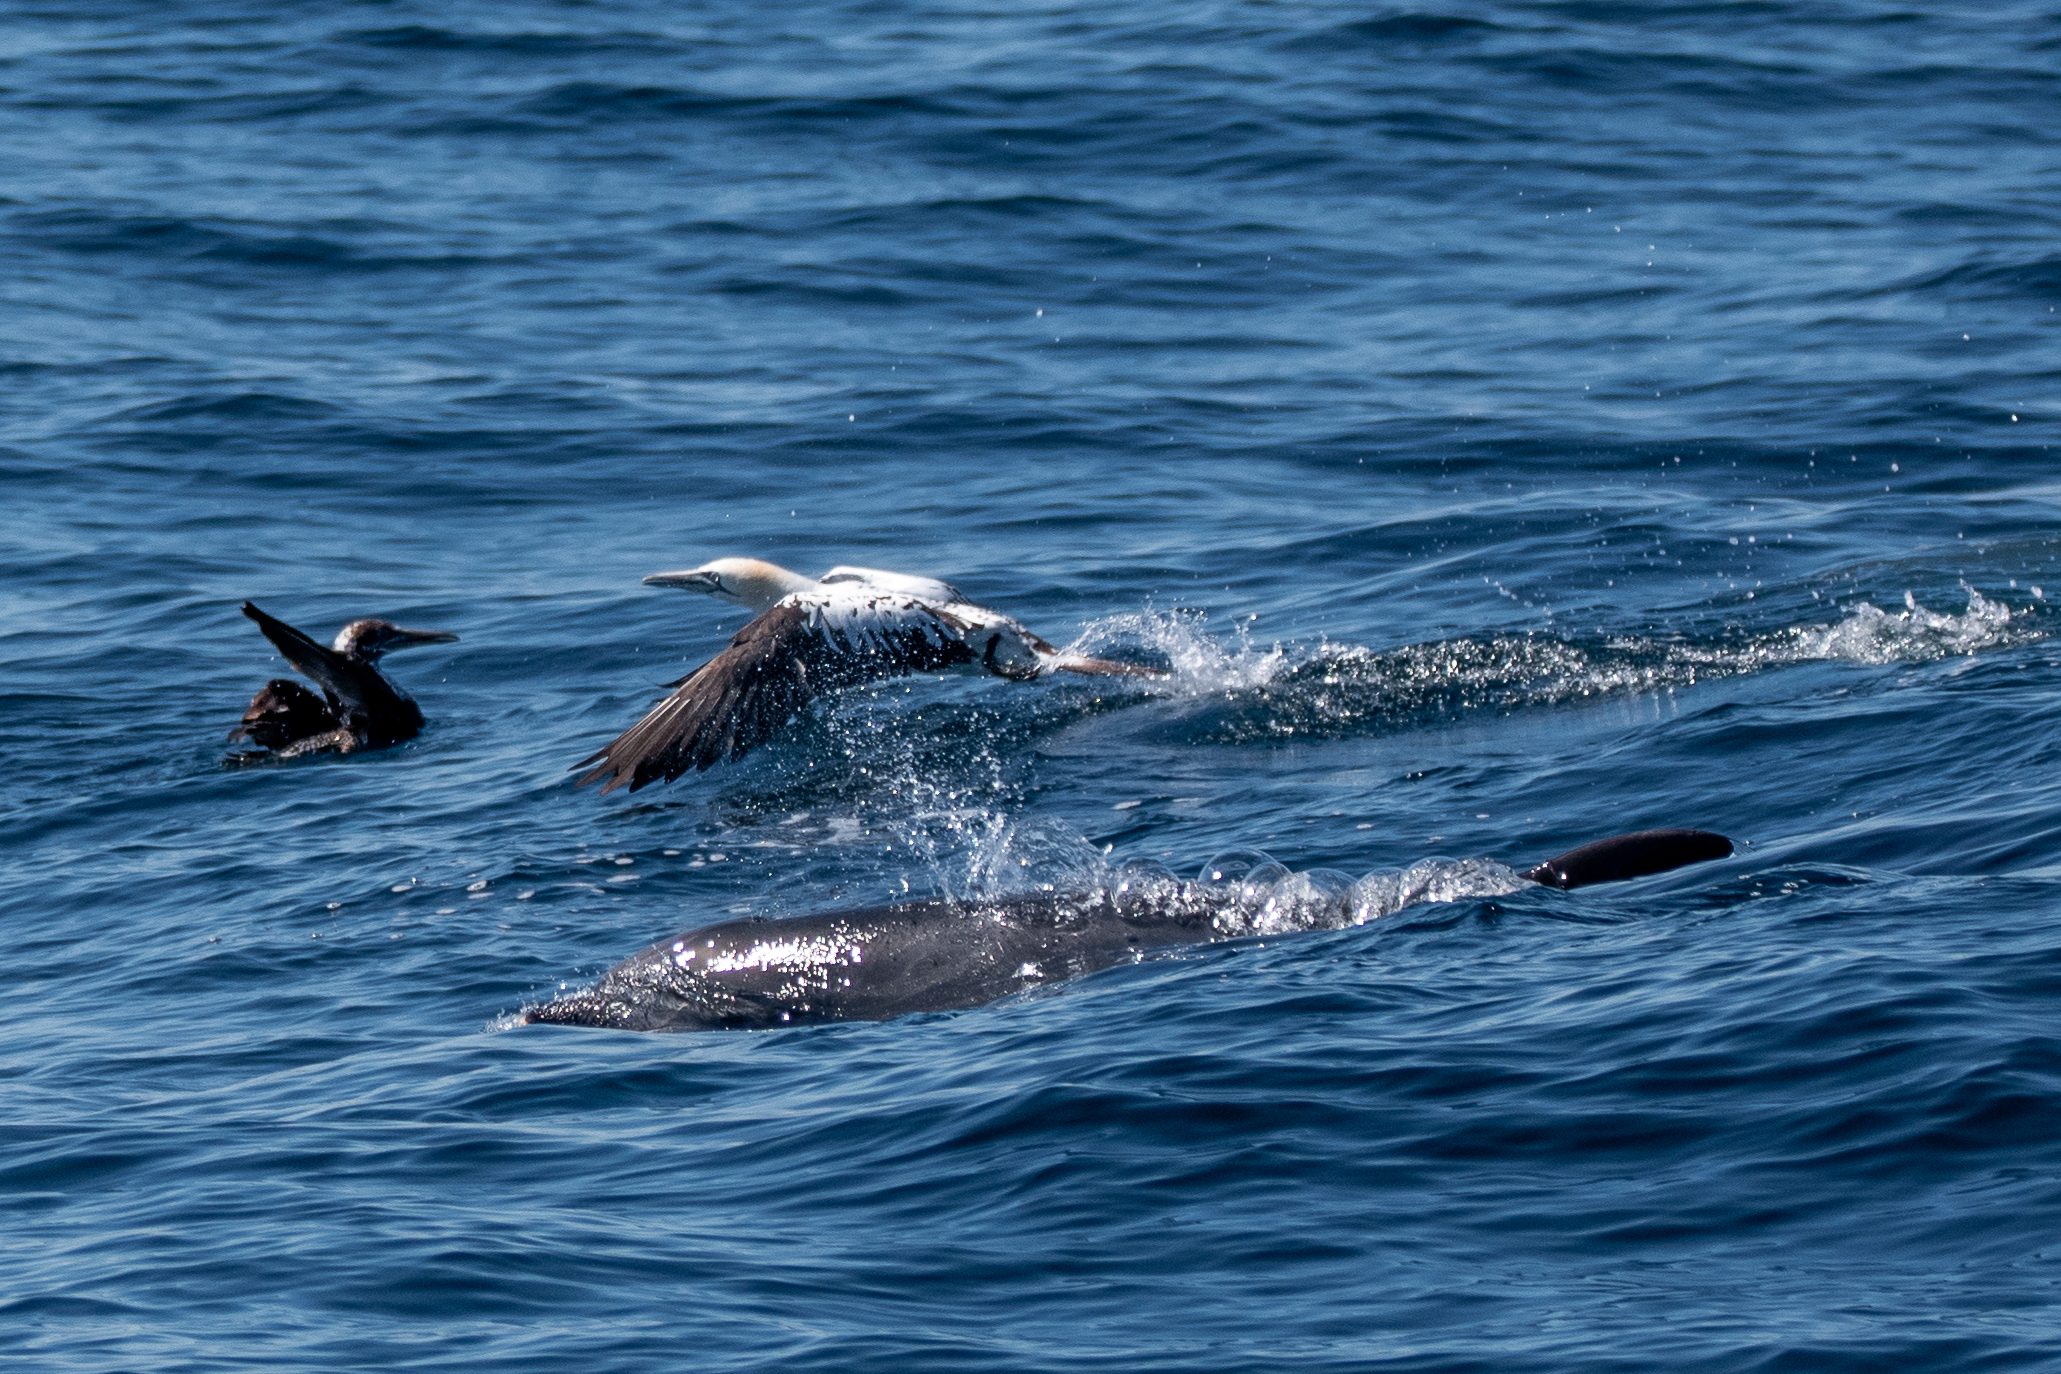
(358,687)
(812,642)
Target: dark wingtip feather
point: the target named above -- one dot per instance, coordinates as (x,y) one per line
(722,709)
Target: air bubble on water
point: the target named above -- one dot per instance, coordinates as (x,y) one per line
(1143,885)
(1239,882)
(1376,895)
(1231,866)
(1315,899)
(1386,891)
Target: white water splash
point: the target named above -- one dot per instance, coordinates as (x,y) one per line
(1260,896)
(1201,663)
(1023,855)
(1387,891)
(960,835)
(1914,634)
(1195,661)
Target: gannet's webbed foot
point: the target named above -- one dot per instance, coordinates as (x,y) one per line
(329,742)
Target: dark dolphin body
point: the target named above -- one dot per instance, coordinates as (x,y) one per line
(935,955)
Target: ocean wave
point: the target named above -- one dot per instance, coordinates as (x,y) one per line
(2038,277)
(554,45)
(350,247)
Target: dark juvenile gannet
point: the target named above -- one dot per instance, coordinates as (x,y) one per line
(936,955)
(814,635)
(360,707)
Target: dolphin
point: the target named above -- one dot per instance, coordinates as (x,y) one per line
(941,955)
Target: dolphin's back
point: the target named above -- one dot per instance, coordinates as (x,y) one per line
(865,965)
(937,955)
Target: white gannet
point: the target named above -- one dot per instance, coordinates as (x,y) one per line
(849,626)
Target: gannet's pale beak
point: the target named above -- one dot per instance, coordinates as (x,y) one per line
(693,580)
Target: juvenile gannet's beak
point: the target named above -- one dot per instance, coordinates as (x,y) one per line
(401,639)
(693,580)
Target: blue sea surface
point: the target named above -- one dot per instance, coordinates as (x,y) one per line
(1514,423)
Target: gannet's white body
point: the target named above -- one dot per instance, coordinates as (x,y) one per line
(851,625)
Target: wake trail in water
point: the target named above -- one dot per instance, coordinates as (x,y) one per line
(1341,689)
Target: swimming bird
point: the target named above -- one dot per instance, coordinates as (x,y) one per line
(936,955)
(813,635)
(360,707)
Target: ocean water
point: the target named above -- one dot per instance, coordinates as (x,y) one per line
(1513,424)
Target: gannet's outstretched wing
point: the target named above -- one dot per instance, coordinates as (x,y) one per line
(357,688)
(813,642)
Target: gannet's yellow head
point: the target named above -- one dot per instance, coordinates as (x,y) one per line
(751,582)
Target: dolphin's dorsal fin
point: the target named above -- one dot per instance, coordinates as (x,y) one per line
(1630,856)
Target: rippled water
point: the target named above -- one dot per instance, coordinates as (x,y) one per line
(1512,424)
